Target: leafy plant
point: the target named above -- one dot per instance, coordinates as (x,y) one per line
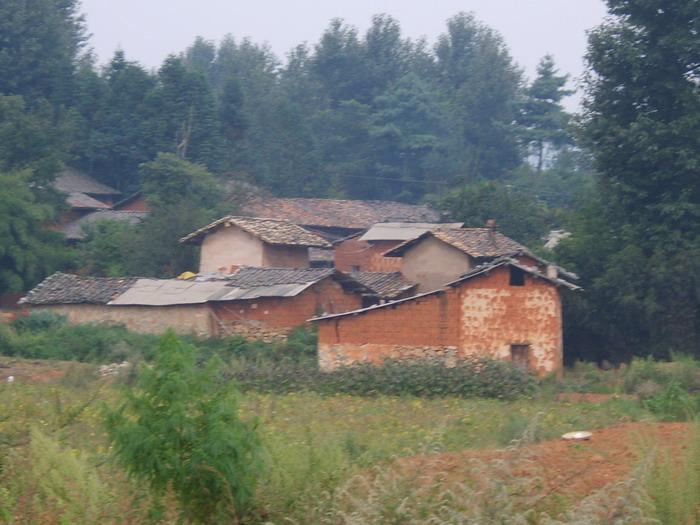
(179,430)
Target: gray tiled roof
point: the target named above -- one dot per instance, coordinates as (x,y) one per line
(64,288)
(271,231)
(476,242)
(72,181)
(85,202)
(387,285)
(339,213)
(74,230)
(249,277)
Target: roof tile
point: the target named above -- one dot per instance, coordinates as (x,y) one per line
(64,288)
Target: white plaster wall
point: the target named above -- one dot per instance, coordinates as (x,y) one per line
(432,263)
(228,247)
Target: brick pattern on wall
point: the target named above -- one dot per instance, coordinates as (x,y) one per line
(366,257)
(483,316)
(272,318)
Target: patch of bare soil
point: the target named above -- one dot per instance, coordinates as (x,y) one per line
(587,397)
(570,469)
(34,371)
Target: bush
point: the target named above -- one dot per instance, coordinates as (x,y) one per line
(477,377)
(179,430)
(38,321)
(673,404)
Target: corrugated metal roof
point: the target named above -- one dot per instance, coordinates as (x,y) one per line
(169,292)
(403,231)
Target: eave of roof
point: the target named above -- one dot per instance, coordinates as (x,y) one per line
(312,240)
(484,269)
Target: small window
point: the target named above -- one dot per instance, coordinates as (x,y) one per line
(354,268)
(520,355)
(517,277)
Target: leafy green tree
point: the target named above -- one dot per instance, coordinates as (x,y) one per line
(36,140)
(184,116)
(108,249)
(482,85)
(183,197)
(520,216)
(39,48)
(179,430)
(28,251)
(116,112)
(642,124)
(543,117)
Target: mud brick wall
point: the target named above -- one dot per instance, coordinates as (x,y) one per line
(483,316)
(369,257)
(184,320)
(272,318)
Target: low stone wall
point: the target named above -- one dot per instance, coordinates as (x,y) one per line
(333,356)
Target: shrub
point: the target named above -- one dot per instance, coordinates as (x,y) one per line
(477,377)
(39,320)
(673,404)
(179,429)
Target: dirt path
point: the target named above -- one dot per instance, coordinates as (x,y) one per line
(569,469)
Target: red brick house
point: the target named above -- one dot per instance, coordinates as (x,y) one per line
(365,251)
(503,309)
(259,303)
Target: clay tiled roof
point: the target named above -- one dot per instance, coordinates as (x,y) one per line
(349,214)
(74,231)
(271,231)
(249,277)
(474,273)
(387,285)
(85,202)
(476,242)
(63,288)
(72,181)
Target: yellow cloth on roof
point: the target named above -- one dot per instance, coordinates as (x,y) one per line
(187,275)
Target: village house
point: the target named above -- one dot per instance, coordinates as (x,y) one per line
(90,202)
(504,309)
(232,242)
(335,219)
(257,303)
(83,195)
(364,251)
(440,256)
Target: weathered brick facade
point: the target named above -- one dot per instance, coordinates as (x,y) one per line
(485,315)
(355,255)
(273,318)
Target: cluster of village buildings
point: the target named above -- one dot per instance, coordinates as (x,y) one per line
(379,279)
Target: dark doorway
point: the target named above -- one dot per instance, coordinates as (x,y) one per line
(520,355)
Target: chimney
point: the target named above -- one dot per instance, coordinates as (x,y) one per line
(491,224)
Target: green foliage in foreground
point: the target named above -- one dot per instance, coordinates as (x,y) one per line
(478,377)
(179,430)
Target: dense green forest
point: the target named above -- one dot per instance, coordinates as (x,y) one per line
(376,115)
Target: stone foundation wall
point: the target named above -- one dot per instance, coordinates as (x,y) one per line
(333,356)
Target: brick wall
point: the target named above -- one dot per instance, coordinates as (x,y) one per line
(364,256)
(272,318)
(483,316)
(184,320)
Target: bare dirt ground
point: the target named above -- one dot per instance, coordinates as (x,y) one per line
(33,371)
(569,469)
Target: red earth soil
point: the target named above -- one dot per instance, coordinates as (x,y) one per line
(570,469)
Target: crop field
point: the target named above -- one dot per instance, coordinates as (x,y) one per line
(340,458)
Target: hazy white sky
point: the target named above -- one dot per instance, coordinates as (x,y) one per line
(148,30)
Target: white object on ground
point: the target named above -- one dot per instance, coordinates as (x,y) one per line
(10,379)
(577,436)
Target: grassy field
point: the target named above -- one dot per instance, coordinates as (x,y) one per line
(335,458)
(56,464)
